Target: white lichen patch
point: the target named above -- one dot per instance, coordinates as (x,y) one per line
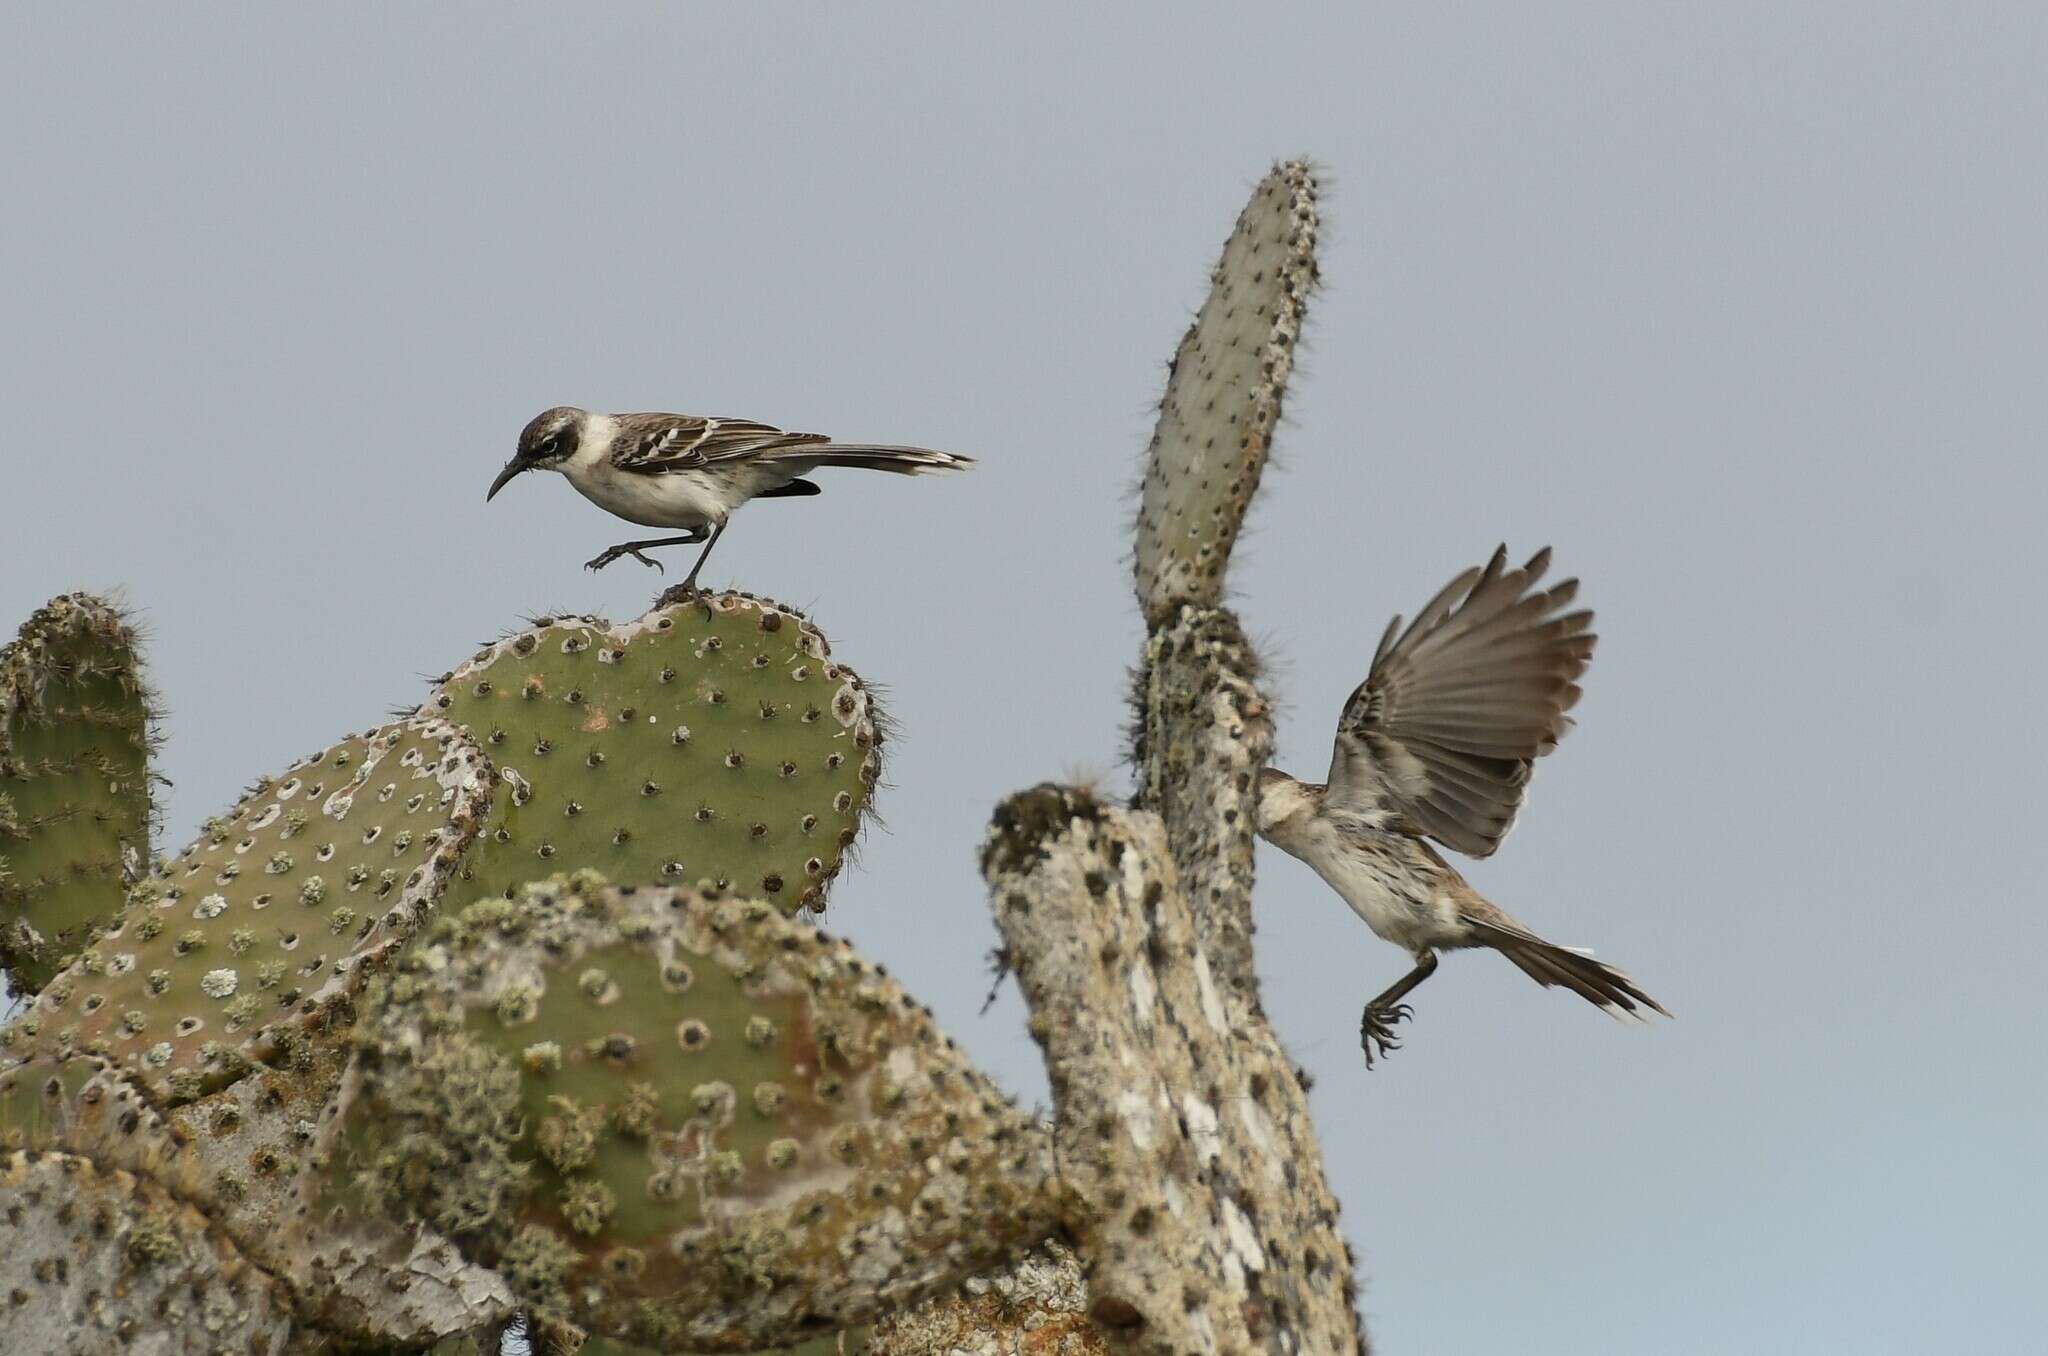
(1244,1240)
(1212,1001)
(1144,994)
(1134,1108)
(1258,1128)
(1203,1129)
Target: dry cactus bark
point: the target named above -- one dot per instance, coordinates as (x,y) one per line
(383,1061)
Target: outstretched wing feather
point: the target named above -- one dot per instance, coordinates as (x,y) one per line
(1440,737)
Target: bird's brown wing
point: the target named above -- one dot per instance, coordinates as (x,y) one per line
(659,443)
(1440,736)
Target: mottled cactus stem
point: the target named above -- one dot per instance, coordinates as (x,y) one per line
(1179,1114)
(1203,728)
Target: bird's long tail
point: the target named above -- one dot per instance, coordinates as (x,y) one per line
(904,461)
(1549,964)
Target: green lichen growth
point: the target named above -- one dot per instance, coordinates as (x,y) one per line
(712,742)
(77,730)
(151,1240)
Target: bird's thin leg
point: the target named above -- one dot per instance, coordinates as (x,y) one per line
(633,549)
(690,585)
(1376,1026)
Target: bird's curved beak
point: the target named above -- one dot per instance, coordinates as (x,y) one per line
(512,468)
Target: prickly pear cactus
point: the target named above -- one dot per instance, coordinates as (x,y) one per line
(713,741)
(1222,400)
(256,929)
(679,1120)
(77,727)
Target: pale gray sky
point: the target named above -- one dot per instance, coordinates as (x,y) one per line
(1739,306)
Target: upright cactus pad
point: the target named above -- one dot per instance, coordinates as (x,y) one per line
(713,741)
(77,727)
(1223,398)
(680,1120)
(259,925)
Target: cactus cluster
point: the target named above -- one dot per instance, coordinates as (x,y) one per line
(677,1119)
(261,1101)
(77,728)
(258,928)
(708,742)
(200,1040)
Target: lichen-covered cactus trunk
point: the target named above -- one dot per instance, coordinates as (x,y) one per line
(77,730)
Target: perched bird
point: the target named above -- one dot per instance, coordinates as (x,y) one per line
(1437,743)
(690,472)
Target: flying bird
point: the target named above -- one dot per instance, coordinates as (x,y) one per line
(688,471)
(1437,744)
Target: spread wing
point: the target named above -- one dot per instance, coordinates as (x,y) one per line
(659,443)
(1441,734)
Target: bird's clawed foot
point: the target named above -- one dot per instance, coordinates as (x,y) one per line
(612,553)
(1376,1028)
(686,592)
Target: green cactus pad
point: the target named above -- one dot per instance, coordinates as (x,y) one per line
(256,929)
(713,741)
(674,1119)
(77,727)
(1222,400)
